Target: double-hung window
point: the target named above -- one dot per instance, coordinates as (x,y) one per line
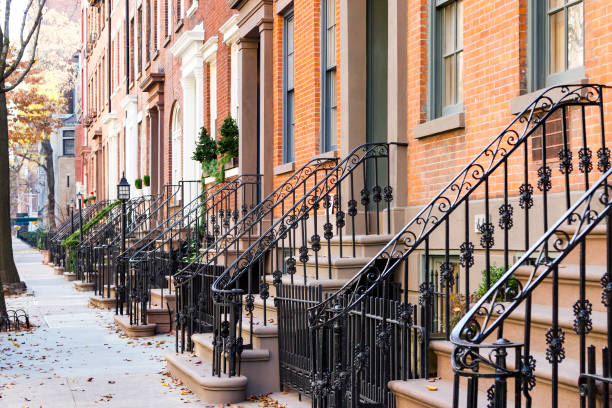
(446,58)
(328,61)
(68,142)
(289,95)
(556,42)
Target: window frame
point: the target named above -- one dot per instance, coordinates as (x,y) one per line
(65,138)
(436,77)
(538,50)
(288,145)
(326,144)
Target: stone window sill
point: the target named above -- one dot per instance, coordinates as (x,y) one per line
(284,168)
(519,103)
(439,125)
(327,155)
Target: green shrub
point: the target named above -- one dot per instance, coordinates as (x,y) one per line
(138,183)
(146,180)
(496,273)
(229,142)
(206,148)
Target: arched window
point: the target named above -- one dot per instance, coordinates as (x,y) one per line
(177,137)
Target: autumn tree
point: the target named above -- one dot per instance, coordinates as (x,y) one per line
(14,67)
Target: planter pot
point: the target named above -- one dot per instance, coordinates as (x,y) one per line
(46,256)
(231,164)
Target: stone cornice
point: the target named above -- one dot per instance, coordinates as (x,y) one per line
(209,49)
(182,46)
(229,30)
(152,79)
(129,99)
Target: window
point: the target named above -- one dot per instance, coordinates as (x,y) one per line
(288,79)
(446,58)
(139,43)
(555,42)
(176,145)
(68,142)
(328,59)
(132,56)
(179,10)
(148,33)
(166,18)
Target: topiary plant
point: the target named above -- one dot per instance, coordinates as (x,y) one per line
(229,142)
(146,179)
(138,183)
(496,273)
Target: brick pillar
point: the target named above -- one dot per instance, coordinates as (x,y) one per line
(266,109)
(247,103)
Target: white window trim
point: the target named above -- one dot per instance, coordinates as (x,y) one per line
(192,9)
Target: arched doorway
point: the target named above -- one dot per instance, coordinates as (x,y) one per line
(176,132)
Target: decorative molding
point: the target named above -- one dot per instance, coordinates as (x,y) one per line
(440,125)
(109,117)
(128,100)
(186,40)
(192,9)
(284,168)
(229,30)
(209,49)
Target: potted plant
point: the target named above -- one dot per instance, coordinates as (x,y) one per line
(228,144)
(206,153)
(146,181)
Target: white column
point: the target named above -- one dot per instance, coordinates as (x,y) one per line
(189,130)
(212,86)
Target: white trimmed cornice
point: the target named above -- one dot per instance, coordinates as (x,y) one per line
(128,100)
(109,117)
(229,30)
(209,49)
(188,42)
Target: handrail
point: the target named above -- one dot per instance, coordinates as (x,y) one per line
(292,216)
(434,213)
(264,208)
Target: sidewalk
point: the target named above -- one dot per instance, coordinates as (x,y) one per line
(75,357)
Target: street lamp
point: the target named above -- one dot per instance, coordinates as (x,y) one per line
(123,194)
(71,212)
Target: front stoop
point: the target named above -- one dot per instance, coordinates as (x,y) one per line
(134,330)
(84,286)
(58,270)
(197,376)
(102,302)
(415,394)
(161,318)
(70,276)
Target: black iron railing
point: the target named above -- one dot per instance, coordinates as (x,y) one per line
(206,217)
(456,236)
(483,354)
(318,228)
(193,282)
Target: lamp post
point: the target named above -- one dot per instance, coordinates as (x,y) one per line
(123,194)
(71,212)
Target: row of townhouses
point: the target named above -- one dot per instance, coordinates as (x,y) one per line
(416,214)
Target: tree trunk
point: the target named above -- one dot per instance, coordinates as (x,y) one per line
(48,152)
(8,271)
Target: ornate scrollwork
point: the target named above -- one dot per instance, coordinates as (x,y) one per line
(405,313)
(585,165)
(340,221)
(426,290)
(249,304)
(528,380)
(377,194)
(603,162)
(316,242)
(544,178)
(290,263)
(361,357)
(264,290)
(487,230)
(278,277)
(565,161)
(606,294)
(320,386)
(447,275)
(304,254)
(365,197)
(352,208)
(582,316)
(491,396)
(526,196)
(328,231)
(466,257)
(383,336)
(555,352)
(388,194)
(505,216)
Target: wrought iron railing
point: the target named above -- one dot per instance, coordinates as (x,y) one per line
(443,238)
(296,240)
(193,282)
(483,354)
(206,217)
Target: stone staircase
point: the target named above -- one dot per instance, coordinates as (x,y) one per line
(195,370)
(438,391)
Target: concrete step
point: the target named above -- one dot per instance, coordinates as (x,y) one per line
(196,375)
(83,286)
(596,248)
(163,298)
(70,276)
(415,394)
(162,318)
(332,268)
(541,321)
(135,330)
(328,285)
(569,289)
(102,302)
(569,371)
(366,246)
(252,364)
